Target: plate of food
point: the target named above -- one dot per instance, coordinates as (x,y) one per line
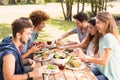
(60,58)
(39,52)
(51,46)
(42,57)
(50,69)
(75,64)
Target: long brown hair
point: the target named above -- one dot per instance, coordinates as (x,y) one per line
(111,26)
(90,37)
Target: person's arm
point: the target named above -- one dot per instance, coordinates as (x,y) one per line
(9,69)
(31,50)
(79,45)
(102,61)
(73,46)
(64,35)
(28,61)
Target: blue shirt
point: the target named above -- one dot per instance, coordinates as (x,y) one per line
(30,42)
(112,68)
(78,31)
(8,47)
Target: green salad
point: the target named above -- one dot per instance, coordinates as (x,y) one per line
(59,56)
(51,67)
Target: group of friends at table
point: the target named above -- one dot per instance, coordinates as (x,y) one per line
(99,46)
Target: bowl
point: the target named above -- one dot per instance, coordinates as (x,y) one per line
(60,61)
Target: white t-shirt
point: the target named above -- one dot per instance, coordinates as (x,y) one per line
(90,52)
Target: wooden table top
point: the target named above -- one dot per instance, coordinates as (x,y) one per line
(68,74)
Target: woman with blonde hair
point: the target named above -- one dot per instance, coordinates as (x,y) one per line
(108,60)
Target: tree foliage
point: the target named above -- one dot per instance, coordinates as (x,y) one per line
(96,6)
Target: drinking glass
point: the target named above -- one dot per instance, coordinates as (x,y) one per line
(49,42)
(61,66)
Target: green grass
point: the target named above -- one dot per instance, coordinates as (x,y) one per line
(43,36)
(61,24)
(5,29)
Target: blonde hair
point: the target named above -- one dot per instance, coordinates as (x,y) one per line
(111,26)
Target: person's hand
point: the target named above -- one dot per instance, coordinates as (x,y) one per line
(79,53)
(37,72)
(39,45)
(59,39)
(35,48)
(58,43)
(32,63)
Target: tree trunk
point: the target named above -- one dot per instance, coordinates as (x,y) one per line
(83,5)
(92,6)
(1,3)
(69,9)
(28,2)
(12,2)
(78,6)
(63,10)
(96,8)
(68,14)
(106,4)
(18,1)
(100,5)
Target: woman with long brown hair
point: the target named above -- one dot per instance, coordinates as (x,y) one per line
(90,44)
(108,60)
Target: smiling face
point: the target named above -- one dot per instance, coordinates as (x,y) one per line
(100,26)
(41,25)
(26,35)
(80,24)
(92,29)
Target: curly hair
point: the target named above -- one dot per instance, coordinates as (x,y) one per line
(38,16)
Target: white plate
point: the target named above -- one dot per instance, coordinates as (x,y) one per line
(61,61)
(46,71)
(50,47)
(38,52)
(82,66)
(40,58)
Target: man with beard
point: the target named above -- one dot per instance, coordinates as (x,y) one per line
(38,19)
(11,63)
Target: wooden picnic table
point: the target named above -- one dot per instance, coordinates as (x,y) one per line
(69,74)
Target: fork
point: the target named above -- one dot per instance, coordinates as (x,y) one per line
(49,72)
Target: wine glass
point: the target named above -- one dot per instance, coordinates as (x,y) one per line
(61,66)
(49,42)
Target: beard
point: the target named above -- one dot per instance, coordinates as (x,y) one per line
(22,41)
